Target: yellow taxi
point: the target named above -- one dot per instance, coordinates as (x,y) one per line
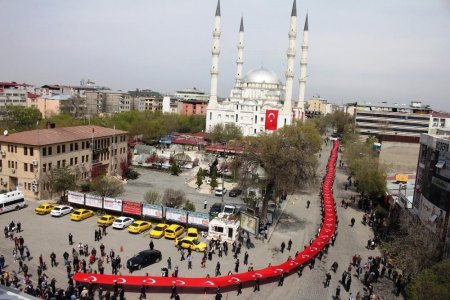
(81,214)
(139,226)
(158,231)
(106,220)
(192,232)
(173,231)
(44,208)
(191,243)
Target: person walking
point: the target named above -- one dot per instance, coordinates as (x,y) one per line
(236,266)
(308,203)
(143,295)
(151,245)
(338,291)
(352,221)
(327,279)
(70,239)
(218,269)
(189,259)
(169,263)
(281,280)
(289,245)
(173,290)
(239,288)
(245,258)
(53,259)
(205,204)
(257,283)
(283,245)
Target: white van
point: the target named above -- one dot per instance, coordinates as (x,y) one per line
(11,201)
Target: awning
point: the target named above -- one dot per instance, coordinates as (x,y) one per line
(440,164)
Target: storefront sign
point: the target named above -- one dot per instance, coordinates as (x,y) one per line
(93,201)
(177,215)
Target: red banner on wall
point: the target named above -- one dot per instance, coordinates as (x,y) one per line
(271,119)
(132,208)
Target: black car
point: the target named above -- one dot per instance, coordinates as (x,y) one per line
(235,192)
(143,259)
(215,209)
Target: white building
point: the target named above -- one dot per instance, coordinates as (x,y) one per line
(259,101)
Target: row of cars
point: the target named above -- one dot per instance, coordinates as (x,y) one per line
(172,231)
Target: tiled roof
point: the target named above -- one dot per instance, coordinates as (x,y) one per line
(439,114)
(58,135)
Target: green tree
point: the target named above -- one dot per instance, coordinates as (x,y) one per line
(152,197)
(221,133)
(174,168)
(199,181)
(107,186)
(432,283)
(213,182)
(60,180)
(287,158)
(189,206)
(22,118)
(74,106)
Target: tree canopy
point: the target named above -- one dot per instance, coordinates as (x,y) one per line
(59,180)
(221,133)
(432,283)
(22,118)
(287,158)
(107,186)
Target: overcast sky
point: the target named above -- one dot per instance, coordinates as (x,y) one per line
(360,50)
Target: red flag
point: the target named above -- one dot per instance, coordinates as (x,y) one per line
(271,119)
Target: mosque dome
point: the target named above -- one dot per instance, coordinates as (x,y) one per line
(262,75)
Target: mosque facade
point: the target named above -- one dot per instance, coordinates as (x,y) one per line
(259,101)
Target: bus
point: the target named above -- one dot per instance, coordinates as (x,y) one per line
(11,201)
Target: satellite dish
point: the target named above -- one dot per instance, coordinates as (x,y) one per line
(5,133)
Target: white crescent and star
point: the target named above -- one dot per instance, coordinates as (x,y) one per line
(91,278)
(121,280)
(209,282)
(149,280)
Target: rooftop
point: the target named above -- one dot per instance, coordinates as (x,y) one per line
(41,137)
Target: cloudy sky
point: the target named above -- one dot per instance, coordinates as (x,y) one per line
(360,50)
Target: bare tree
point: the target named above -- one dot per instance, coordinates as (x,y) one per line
(107,186)
(152,197)
(173,198)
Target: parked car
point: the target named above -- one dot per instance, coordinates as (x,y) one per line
(173,231)
(220,191)
(235,192)
(61,210)
(106,220)
(192,232)
(122,222)
(81,214)
(139,226)
(191,243)
(159,231)
(215,209)
(44,208)
(143,259)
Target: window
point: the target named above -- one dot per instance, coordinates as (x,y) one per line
(49,166)
(44,168)
(71,147)
(15,148)
(58,149)
(25,151)
(76,146)
(25,167)
(63,148)
(76,160)
(58,164)
(31,168)
(71,160)
(82,159)
(87,158)
(49,150)
(82,145)
(31,151)
(64,163)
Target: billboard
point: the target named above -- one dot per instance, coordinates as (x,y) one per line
(75,197)
(112,204)
(249,223)
(93,201)
(198,219)
(132,208)
(177,215)
(152,210)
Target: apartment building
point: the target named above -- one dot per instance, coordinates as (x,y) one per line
(107,102)
(26,158)
(432,192)
(317,106)
(398,122)
(12,93)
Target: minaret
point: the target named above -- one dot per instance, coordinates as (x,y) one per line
(303,63)
(215,51)
(240,58)
(290,60)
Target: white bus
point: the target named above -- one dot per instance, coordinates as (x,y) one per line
(11,201)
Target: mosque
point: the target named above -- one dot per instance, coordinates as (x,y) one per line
(259,102)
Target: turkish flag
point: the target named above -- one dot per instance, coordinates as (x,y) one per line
(271,119)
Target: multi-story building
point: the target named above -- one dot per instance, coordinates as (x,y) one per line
(439,122)
(317,106)
(432,193)
(107,102)
(27,158)
(12,93)
(192,102)
(192,94)
(403,123)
